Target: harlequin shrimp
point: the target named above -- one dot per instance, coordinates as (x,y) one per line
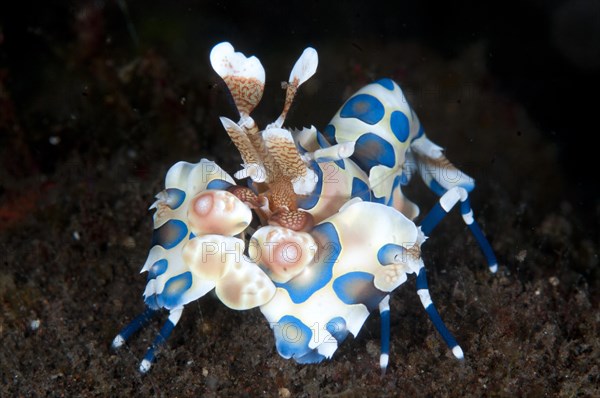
(315,254)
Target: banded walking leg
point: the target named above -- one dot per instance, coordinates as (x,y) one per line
(447,201)
(423,292)
(384,310)
(139,322)
(163,335)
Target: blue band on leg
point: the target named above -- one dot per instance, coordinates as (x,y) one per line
(139,322)
(438,323)
(422,279)
(385,340)
(161,338)
(485,247)
(465,206)
(384,310)
(385,332)
(432,219)
(437,213)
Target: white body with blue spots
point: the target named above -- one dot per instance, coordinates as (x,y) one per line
(337,181)
(390,143)
(389,146)
(194,251)
(382,124)
(170,282)
(175,276)
(335,234)
(363,252)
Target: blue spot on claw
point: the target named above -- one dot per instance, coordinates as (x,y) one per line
(292,337)
(358,288)
(219,184)
(304,285)
(170,234)
(176,197)
(390,254)
(158,268)
(174,290)
(338,329)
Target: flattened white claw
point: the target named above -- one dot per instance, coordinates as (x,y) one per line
(350,203)
(194,177)
(282,252)
(155,254)
(160,197)
(218,212)
(209,256)
(328,347)
(390,277)
(244,285)
(151,288)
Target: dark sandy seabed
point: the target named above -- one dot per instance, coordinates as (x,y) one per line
(105,101)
